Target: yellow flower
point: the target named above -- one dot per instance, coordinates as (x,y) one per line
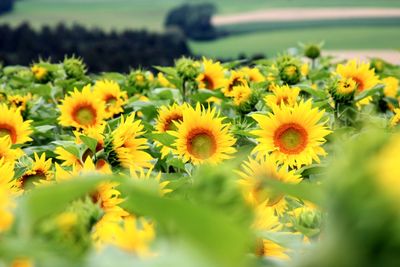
(39,72)
(164,82)
(236,79)
(212,76)
(282,95)
(66,220)
(305,69)
(202,137)
(18,102)
(346,86)
(167,115)
(133,236)
(386,167)
(13,125)
(291,134)
(110,93)
(265,220)
(6,195)
(82,109)
(38,173)
(241,94)
(391,86)
(269,248)
(254,177)
(142,174)
(253,74)
(67,158)
(6,152)
(361,73)
(128,146)
(22,263)
(396,117)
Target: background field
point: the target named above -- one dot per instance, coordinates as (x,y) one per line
(120,14)
(249,38)
(273,42)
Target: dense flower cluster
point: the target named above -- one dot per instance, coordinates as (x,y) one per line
(241,140)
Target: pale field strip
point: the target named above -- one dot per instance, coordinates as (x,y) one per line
(301,14)
(391,56)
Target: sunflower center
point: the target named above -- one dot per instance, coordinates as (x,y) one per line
(360,83)
(85,115)
(8,130)
(235,82)
(110,100)
(283,100)
(208,82)
(28,180)
(291,138)
(201,144)
(264,192)
(169,123)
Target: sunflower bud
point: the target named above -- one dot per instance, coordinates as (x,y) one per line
(74,67)
(187,68)
(312,51)
(343,90)
(307,220)
(139,81)
(290,73)
(378,65)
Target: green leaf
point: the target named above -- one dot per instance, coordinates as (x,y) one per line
(164,138)
(212,233)
(44,128)
(47,200)
(90,142)
(367,93)
(166,70)
(316,93)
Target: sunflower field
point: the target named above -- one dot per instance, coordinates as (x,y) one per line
(288,161)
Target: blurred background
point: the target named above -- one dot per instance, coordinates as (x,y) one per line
(119,34)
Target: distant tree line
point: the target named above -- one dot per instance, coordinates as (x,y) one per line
(101,51)
(6,6)
(194,20)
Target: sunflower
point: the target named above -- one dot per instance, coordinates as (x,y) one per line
(254,177)
(266,220)
(165,122)
(386,169)
(282,95)
(39,72)
(142,174)
(133,235)
(6,195)
(82,109)
(391,86)
(39,172)
(396,117)
(236,79)
(67,158)
(361,73)
(241,94)
(163,81)
(291,134)
(202,137)
(346,86)
(18,102)
(212,76)
(253,74)
(110,93)
(6,152)
(13,125)
(127,145)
